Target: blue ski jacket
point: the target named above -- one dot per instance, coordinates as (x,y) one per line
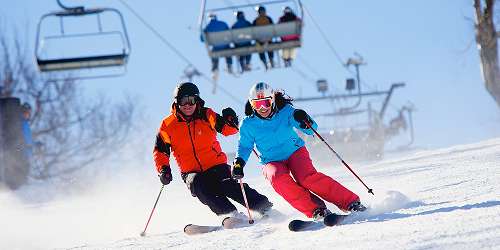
(242,23)
(275,138)
(213,26)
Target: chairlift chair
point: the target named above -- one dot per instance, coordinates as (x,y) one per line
(87,59)
(322,85)
(249,34)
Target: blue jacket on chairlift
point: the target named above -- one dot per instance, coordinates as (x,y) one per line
(241,22)
(213,26)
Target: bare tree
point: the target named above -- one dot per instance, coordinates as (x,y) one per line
(486,39)
(73,131)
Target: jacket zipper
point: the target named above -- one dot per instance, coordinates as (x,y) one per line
(192,144)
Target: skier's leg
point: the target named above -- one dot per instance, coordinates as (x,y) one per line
(248,58)
(241,59)
(204,187)
(270,54)
(300,198)
(215,64)
(256,201)
(322,185)
(262,57)
(229,62)
(232,189)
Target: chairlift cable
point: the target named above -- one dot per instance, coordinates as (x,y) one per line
(229,2)
(176,51)
(308,66)
(339,58)
(302,74)
(228,93)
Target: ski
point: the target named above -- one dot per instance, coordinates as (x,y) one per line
(305,225)
(193,229)
(227,223)
(233,222)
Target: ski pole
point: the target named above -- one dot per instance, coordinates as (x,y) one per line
(150,215)
(338,156)
(250,220)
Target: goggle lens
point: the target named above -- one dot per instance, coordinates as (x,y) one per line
(187,100)
(262,103)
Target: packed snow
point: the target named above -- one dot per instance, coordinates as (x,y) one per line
(434,199)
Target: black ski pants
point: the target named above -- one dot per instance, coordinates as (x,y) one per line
(214,186)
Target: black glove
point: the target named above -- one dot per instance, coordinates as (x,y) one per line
(230,116)
(165,175)
(302,117)
(237,168)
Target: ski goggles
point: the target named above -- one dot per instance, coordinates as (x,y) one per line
(187,100)
(262,103)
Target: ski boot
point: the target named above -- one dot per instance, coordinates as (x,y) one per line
(356,207)
(320,213)
(329,219)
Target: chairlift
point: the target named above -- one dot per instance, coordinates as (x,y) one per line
(86,54)
(322,85)
(272,32)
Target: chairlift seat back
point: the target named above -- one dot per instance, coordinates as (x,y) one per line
(262,33)
(266,32)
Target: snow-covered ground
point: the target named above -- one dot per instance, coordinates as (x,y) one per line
(437,199)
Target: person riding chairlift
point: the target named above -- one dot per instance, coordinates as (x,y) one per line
(288,54)
(214,26)
(242,22)
(261,20)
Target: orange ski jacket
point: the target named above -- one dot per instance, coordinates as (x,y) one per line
(193,143)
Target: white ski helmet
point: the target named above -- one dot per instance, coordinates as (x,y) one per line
(261,91)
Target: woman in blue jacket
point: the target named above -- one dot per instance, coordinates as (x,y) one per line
(270,125)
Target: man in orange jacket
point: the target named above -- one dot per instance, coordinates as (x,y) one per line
(190,132)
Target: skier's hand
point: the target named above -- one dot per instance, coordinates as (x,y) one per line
(230,116)
(165,175)
(302,118)
(237,168)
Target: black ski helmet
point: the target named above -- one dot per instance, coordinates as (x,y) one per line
(186,89)
(260,9)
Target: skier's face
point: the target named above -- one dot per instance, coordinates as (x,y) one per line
(264,112)
(262,106)
(187,105)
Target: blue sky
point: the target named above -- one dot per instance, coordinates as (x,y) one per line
(427,44)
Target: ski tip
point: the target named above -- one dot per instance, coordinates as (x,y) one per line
(296,225)
(225,219)
(333,219)
(185,227)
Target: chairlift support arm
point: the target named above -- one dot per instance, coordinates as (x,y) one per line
(388,97)
(76,9)
(344,96)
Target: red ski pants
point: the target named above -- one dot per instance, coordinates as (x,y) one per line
(299,192)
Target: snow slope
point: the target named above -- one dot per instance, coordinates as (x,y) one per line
(437,199)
